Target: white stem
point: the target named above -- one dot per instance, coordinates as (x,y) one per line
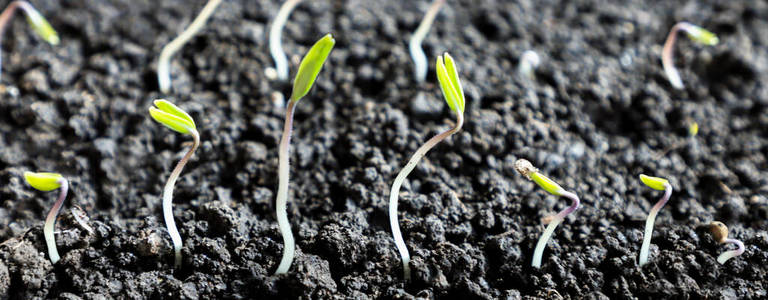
(283,173)
(163,63)
(419,58)
(542,243)
(170,223)
(50,221)
(645,248)
(275,34)
(733,253)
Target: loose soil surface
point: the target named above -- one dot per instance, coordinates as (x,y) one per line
(598,113)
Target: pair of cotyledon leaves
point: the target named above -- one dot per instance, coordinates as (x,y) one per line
(44,181)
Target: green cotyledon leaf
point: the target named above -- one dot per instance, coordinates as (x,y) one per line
(41,26)
(448,77)
(310,66)
(547,184)
(656,183)
(43,181)
(172,117)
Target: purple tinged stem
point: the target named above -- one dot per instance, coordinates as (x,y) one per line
(50,221)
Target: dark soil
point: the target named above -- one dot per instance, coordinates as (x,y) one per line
(599,113)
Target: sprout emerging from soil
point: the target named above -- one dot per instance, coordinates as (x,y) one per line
(309,68)
(529,61)
(164,62)
(720,232)
(173,117)
(527,169)
(48,182)
(275,33)
(419,58)
(34,18)
(448,76)
(659,184)
(695,33)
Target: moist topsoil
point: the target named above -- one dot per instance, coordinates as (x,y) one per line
(598,112)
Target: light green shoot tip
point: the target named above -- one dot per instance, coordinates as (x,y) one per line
(172,117)
(448,76)
(693,129)
(702,36)
(43,181)
(547,184)
(656,183)
(42,27)
(310,66)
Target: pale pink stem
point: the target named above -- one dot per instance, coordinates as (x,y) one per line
(50,221)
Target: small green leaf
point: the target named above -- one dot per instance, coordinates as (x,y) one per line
(450,84)
(547,184)
(43,181)
(310,66)
(702,36)
(172,117)
(41,26)
(656,183)
(693,129)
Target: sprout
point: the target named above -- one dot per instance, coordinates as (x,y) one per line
(527,169)
(529,61)
(720,232)
(275,33)
(34,18)
(659,184)
(448,77)
(310,66)
(173,117)
(48,182)
(163,63)
(419,58)
(695,33)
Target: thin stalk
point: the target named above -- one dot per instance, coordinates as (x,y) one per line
(50,221)
(419,58)
(644,250)
(283,173)
(168,199)
(394,193)
(733,253)
(163,63)
(542,243)
(275,34)
(5,18)
(668,52)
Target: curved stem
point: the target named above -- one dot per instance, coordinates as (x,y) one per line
(283,173)
(5,18)
(275,33)
(168,199)
(667,55)
(395,191)
(419,58)
(50,221)
(163,63)
(538,252)
(645,248)
(733,253)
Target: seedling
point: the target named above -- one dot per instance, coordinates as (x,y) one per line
(720,232)
(525,168)
(695,33)
(309,68)
(34,18)
(164,61)
(48,182)
(448,76)
(659,184)
(275,33)
(176,119)
(693,130)
(529,61)
(419,58)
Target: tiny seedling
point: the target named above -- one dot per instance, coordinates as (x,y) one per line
(309,68)
(529,61)
(525,168)
(419,58)
(695,33)
(720,232)
(693,130)
(659,184)
(448,77)
(34,18)
(48,182)
(164,61)
(275,33)
(176,119)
